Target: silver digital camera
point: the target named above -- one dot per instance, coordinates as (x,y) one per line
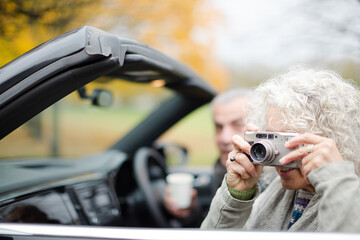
(267,148)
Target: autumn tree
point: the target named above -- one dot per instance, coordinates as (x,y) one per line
(181,29)
(26,23)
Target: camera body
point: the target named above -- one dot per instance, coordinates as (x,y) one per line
(267,148)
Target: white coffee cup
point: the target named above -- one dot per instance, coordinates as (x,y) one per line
(180,185)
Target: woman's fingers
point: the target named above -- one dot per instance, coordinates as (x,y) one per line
(240,170)
(313,150)
(240,145)
(303,145)
(243,166)
(242,173)
(296,154)
(306,138)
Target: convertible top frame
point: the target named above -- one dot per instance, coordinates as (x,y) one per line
(39,78)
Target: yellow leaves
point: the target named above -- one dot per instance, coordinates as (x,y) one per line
(23,43)
(181,29)
(9,6)
(49,17)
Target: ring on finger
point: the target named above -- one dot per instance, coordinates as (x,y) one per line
(309,148)
(232,159)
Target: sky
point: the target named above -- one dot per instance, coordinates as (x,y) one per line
(279,33)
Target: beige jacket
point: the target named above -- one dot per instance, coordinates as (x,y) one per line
(334,207)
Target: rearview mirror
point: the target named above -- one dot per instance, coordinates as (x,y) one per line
(99,97)
(174,154)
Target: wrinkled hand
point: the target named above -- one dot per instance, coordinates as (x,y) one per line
(171,207)
(323,152)
(242,175)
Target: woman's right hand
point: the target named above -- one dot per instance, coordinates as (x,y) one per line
(242,174)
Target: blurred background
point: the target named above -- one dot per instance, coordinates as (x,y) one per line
(232,43)
(229,43)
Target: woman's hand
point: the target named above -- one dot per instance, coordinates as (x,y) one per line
(242,174)
(317,152)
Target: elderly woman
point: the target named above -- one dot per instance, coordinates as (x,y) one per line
(324,193)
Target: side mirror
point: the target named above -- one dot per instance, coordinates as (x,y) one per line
(99,97)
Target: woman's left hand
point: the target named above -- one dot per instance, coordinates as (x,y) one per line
(316,153)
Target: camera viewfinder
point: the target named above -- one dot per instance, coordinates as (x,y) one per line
(271,136)
(261,136)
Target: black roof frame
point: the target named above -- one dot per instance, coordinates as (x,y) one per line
(42,76)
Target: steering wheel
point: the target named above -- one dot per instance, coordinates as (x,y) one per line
(152,190)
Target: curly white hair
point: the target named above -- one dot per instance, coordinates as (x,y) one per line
(314,101)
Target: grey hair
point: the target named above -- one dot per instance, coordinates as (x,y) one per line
(314,101)
(230,95)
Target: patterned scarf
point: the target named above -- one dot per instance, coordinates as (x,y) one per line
(302,200)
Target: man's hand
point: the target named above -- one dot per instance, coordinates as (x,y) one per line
(171,207)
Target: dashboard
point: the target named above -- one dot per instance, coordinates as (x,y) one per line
(88,203)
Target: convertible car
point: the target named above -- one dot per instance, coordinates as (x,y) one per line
(86,142)
(81,118)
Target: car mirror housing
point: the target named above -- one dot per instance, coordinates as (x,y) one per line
(102,98)
(175,154)
(99,97)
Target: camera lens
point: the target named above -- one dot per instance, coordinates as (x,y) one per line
(263,152)
(259,152)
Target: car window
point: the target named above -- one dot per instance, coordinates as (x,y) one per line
(196,133)
(73,127)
